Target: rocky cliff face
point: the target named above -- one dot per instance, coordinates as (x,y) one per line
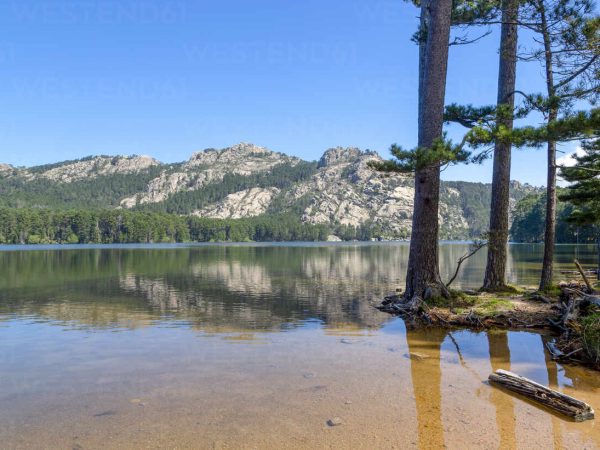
(347,191)
(6,169)
(247,203)
(340,189)
(210,166)
(91,168)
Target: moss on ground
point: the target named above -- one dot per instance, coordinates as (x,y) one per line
(486,306)
(506,289)
(482,304)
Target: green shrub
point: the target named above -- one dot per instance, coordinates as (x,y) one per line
(590,335)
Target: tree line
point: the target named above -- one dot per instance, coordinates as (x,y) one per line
(527,226)
(46,226)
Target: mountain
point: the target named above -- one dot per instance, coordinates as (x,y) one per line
(247,181)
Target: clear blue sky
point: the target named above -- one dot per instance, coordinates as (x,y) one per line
(170,77)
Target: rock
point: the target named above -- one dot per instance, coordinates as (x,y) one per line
(97,166)
(333,238)
(211,166)
(6,168)
(334,422)
(318,387)
(417,356)
(110,412)
(247,203)
(339,155)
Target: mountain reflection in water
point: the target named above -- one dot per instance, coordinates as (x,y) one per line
(257,347)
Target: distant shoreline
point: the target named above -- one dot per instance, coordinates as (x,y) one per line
(158,246)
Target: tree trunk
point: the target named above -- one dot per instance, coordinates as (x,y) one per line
(423,26)
(550,231)
(495,272)
(423,270)
(598,255)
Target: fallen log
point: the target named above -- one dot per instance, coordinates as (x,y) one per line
(589,298)
(587,272)
(556,401)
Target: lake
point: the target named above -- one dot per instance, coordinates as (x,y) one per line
(258,346)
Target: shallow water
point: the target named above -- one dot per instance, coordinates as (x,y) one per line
(257,347)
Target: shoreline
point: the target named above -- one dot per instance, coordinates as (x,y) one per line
(528,310)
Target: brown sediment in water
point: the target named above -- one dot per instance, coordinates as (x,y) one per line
(258,398)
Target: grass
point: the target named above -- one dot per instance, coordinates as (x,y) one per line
(506,289)
(590,336)
(486,306)
(483,305)
(552,290)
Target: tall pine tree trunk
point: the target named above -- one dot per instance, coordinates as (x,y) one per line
(423,270)
(422,52)
(495,272)
(550,231)
(598,252)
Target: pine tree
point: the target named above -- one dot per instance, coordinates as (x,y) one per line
(568,47)
(495,271)
(584,192)
(434,150)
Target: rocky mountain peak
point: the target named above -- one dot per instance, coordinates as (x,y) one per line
(245,147)
(6,168)
(235,152)
(339,155)
(96,166)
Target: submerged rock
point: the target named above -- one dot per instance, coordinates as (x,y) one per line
(334,422)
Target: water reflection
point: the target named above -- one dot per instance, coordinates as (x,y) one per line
(503,404)
(256,347)
(229,287)
(426,375)
(451,405)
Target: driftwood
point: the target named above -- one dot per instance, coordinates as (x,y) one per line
(556,401)
(583,297)
(554,350)
(585,279)
(575,272)
(539,297)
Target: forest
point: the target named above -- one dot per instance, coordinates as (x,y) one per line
(46,226)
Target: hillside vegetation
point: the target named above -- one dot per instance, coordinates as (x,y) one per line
(340,194)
